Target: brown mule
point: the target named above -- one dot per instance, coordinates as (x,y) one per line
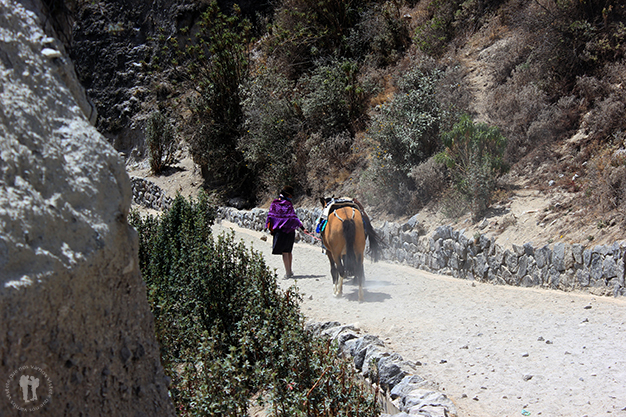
(344,238)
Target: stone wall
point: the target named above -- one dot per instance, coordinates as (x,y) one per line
(401,391)
(148,194)
(594,269)
(76,331)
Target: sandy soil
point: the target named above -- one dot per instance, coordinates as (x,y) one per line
(494,350)
(183,178)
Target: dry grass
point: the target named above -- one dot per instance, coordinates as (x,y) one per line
(388,89)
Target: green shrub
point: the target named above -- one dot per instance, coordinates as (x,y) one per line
(404,134)
(218,64)
(430,180)
(334,100)
(305,30)
(448,19)
(433,35)
(272,123)
(586,33)
(161,142)
(381,36)
(225,329)
(407,128)
(473,153)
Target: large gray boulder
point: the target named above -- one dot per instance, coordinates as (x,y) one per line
(76,331)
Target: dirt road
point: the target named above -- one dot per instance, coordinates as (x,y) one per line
(494,350)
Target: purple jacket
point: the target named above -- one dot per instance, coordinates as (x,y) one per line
(282,216)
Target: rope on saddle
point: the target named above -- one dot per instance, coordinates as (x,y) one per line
(342,220)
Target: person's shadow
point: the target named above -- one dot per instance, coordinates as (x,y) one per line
(307,276)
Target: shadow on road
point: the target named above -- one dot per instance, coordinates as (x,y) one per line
(307,276)
(368,296)
(377,284)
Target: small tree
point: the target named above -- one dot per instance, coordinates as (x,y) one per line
(473,153)
(161,141)
(218,63)
(271,126)
(407,127)
(335,99)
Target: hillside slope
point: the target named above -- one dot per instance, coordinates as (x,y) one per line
(563,114)
(527,214)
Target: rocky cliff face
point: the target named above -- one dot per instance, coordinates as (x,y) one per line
(76,331)
(118,47)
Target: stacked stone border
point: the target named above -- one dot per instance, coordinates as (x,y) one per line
(598,269)
(148,194)
(399,389)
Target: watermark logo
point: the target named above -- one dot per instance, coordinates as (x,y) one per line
(28,388)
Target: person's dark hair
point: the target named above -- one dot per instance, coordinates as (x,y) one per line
(287,191)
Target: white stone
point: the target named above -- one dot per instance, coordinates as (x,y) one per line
(50,53)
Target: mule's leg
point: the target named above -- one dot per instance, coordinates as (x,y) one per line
(341,266)
(333,271)
(341,271)
(340,286)
(360,276)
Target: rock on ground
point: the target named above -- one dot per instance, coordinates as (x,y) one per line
(76,331)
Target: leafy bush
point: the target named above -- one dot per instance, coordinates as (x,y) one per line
(407,128)
(301,133)
(565,39)
(404,133)
(161,142)
(433,35)
(381,36)
(218,63)
(225,329)
(450,18)
(335,99)
(589,32)
(430,179)
(272,123)
(305,30)
(473,153)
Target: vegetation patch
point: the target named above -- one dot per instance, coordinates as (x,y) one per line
(161,142)
(227,333)
(473,153)
(354,98)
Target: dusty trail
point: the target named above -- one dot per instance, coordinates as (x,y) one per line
(494,350)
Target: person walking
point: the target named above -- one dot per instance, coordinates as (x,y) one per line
(282,223)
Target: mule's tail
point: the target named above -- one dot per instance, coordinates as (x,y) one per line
(349,234)
(376,242)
